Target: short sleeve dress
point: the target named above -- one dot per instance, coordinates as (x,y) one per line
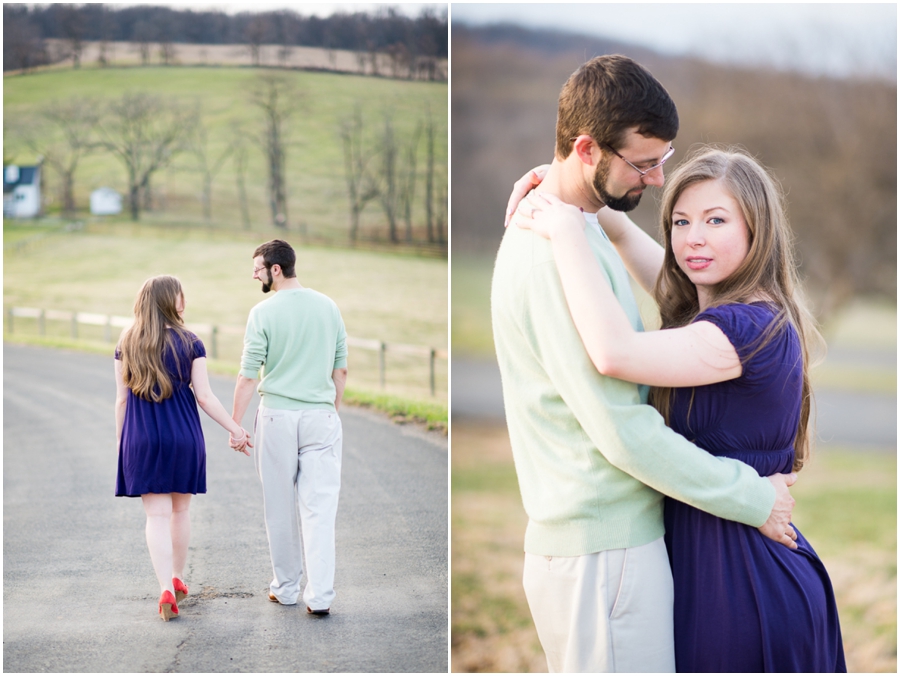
(744,603)
(162,448)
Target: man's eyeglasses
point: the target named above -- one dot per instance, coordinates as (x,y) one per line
(642,172)
(263,267)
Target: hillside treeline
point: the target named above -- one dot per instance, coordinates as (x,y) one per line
(305,153)
(832,143)
(27,27)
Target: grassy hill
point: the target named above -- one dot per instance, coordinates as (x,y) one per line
(317,193)
(388,297)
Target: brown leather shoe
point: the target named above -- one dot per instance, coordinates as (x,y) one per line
(320,611)
(273,598)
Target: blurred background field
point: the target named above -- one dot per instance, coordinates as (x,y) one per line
(390,297)
(831,140)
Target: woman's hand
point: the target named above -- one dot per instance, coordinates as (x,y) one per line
(240,442)
(546,215)
(522,187)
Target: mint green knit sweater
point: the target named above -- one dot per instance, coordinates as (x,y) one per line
(593,460)
(297,338)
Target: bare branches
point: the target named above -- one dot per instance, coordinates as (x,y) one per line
(277,98)
(361,187)
(145,133)
(76,121)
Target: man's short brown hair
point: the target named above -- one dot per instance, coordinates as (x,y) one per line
(278,252)
(606,97)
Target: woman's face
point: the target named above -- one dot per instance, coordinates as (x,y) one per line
(179,305)
(710,239)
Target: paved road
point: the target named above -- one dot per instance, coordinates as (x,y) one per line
(860,420)
(79,593)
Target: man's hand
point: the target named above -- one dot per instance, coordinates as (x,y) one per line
(241,443)
(778,526)
(522,187)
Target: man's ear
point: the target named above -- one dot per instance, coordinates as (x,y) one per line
(275,269)
(587,149)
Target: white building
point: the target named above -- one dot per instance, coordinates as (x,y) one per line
(21,191)
(106,201)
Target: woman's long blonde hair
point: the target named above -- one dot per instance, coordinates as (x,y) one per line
(769,270)
(143,344)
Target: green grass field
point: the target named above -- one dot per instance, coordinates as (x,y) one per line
(846,507)
(383,296)
(315,166)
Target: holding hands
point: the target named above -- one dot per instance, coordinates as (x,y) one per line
(241,442)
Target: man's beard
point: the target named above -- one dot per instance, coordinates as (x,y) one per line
(624,203)
(267,286)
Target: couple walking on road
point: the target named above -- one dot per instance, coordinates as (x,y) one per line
(295,354)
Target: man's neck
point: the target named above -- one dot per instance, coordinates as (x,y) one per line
(286,283)
(565,179)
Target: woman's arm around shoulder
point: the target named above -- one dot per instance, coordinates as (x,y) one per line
(697,354)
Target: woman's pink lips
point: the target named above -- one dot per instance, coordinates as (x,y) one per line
(698,263)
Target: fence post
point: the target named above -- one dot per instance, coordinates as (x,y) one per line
(214,342)
(431,368)
(381,352)
(42,328)
(9,319)
(74,325)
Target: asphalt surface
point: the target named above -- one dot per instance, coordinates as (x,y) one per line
(79,592)
(860,420)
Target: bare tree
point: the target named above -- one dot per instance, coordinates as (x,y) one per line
(388,190)
(76,120)
(73,30)
(207,164)
(429,173)
(143,35)
(145,133)
(361,60)
(255,34)
(277,97)
(239,151)
(361,188)
(408,179)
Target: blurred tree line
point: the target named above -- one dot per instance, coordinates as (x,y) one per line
(147,133)
(831,142)
(412,44)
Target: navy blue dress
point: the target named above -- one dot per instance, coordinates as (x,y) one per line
(744,603)
(162,448)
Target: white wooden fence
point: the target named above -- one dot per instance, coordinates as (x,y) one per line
(108,322)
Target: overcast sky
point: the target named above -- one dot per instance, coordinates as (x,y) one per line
(836,39)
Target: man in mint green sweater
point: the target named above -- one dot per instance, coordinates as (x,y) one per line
(295,348)
(593,460)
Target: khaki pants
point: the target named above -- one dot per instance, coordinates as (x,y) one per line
(604,612)
(298,459)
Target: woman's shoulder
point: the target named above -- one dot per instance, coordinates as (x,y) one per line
(745,324)
(189,342)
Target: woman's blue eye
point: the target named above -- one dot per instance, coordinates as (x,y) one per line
(680,221)
(715,220)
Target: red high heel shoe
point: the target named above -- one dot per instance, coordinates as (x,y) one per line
(167,606)
(181,589)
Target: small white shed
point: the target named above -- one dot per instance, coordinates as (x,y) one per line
(21,191)
(106,201)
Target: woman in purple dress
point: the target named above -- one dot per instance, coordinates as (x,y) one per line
(729,371)
(162,455)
